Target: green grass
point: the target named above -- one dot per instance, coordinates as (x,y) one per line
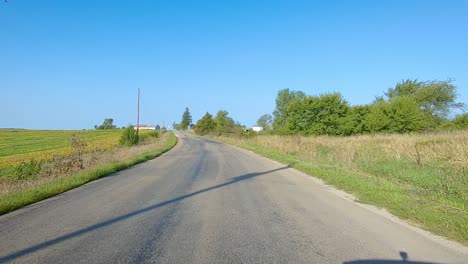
(433,196)
(12,201)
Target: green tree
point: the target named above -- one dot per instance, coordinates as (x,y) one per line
(265,121)
(186,120)
(316,115)
(435,98)
(283,99)
(377,120)
(353,122)
(224,123)
(220,120)
(401,114)
(107,124)
(332,109)
(405,115)
(205,125)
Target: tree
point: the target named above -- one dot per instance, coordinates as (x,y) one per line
(353,122)
(435,98)
(401,114)
(283,98)
(107,124)
(186,120)
(331,109)
(220,120)
(224,123)
(205,125)
(405,115)
(377,119)
(316,115)
(158,127)
(265,121)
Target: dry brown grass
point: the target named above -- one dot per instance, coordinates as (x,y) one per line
(449,147)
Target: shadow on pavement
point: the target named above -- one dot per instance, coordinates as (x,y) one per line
(404,260)
(92,228)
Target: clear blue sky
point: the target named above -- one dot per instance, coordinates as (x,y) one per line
(70,64)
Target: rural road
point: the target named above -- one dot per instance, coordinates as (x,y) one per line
(207,202)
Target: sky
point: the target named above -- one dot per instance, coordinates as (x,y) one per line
(70,64)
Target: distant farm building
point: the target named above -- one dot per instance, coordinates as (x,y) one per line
(145,127)
(257,128)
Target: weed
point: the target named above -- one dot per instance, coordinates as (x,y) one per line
(26,170)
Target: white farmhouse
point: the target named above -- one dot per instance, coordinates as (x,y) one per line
(145,127)
(257,129)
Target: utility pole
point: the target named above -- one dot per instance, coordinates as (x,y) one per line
(138,113)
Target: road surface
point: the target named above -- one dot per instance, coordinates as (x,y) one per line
(206,202)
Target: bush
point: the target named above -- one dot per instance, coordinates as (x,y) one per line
(461,121)
(78,145)
(129,136)
(249,133)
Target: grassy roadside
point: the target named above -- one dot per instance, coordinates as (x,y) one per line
(420,178)
(12,201)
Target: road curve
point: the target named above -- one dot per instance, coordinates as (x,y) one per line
(206,202)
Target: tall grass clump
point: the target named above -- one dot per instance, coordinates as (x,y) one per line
(129,136)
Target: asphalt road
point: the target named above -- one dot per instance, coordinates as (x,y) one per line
(206,202)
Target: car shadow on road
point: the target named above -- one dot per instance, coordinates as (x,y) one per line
(404,260)
(111,221)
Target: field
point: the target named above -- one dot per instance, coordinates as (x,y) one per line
(38,164)
(422,178)
(18,146)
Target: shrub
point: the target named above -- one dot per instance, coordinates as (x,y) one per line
(461,121)
(78,145)
(129,136)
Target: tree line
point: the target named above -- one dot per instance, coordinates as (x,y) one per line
(219,124)
(410,106)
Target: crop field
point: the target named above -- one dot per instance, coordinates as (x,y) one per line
(24,154)
(18,146)
(422,178)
